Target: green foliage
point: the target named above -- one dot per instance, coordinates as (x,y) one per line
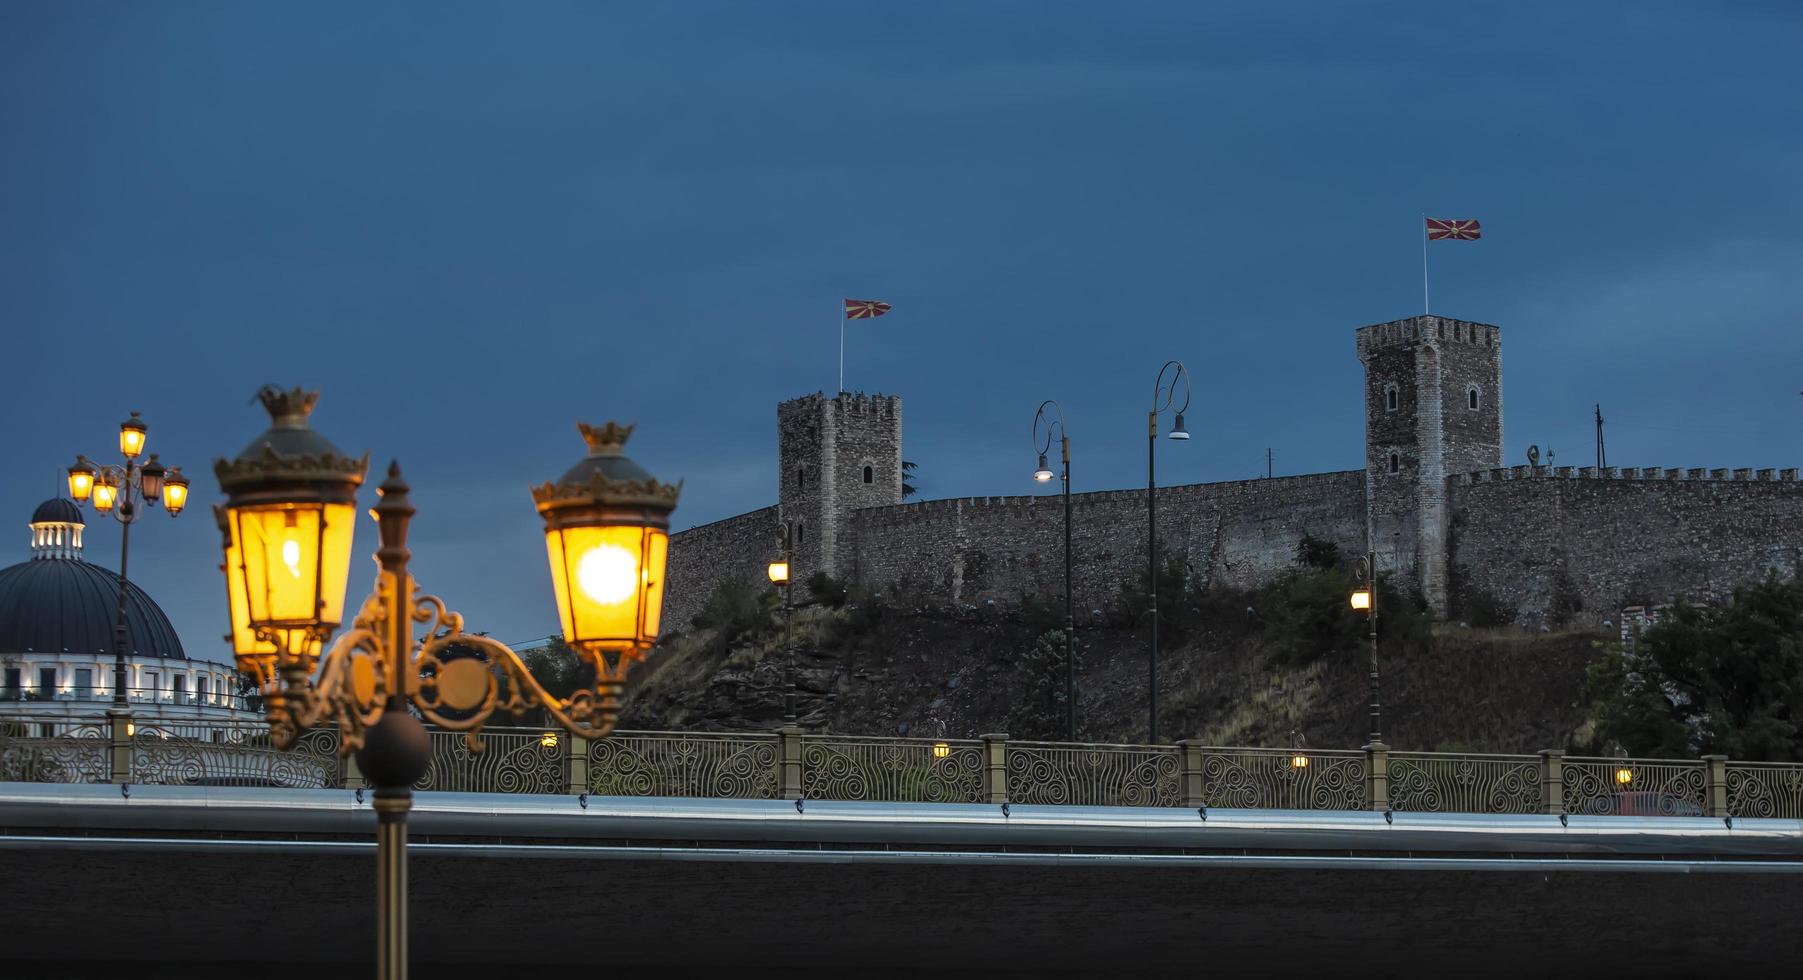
(1565,603)
(1725,680)
(1175,594)
(1316,553)
(827,591)
(558,668)
(1040,713)
(738,608)
(908,487)
(1309,616)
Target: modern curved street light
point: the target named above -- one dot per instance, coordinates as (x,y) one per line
(1164,398)
(1045,423)
(287,524)
(124,491)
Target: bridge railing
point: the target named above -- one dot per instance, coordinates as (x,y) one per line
(791,764)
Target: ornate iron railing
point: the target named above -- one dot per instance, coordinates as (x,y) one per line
(1326,780)
(1094,775)
(1433,782)
(792,765)
(1763,789)
(510,762)
(1648,788)
(676,764)
(233,754)
(895,770)
(53,751)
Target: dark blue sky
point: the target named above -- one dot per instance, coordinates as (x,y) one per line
(472,224)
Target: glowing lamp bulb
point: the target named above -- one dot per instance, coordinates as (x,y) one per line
(291,556)
(608,574)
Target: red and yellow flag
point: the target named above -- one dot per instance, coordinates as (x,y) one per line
(1455,229)
(864,309)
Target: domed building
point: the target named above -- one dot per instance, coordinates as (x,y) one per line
(58,614)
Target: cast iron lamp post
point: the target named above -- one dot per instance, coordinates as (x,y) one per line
(287,527)
(125,491)
(1044,474)
(779,575)
(1365,598)
(1164,396)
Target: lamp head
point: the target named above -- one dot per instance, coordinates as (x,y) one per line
(81,479)
(779,572)
(1178,432)
(150,479)
(1361,599)
(1044,473)
(131,436)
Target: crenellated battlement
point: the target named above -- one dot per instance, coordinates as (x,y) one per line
(1413,330)
(876,405)
(1647,473)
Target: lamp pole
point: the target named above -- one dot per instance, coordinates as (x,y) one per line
(1163,399)
(124,491)
(780,575)
(287,523)
(1044,475)
(1366,599)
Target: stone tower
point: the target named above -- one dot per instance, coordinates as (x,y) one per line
(1433,410)
(837,455)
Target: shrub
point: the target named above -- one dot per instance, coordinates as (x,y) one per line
(827,590)
(737,608)
(1039,711)
(1317,553)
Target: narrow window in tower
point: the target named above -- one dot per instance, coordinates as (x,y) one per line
(801,476)
(1395,462)
(869,475)
(1390,398)
(801,532)
(1471,399)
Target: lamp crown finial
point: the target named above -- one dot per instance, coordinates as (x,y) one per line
(288,409)
(605,440)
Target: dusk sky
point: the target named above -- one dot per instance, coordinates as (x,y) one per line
(472,224)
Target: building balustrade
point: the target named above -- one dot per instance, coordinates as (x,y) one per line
(791,764)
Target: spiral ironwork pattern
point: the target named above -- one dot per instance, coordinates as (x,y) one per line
(1270,778)
(72,753)
(736,767)
(1653,789)
(1764,790)
(889,769)
(508,762)
(233,754)
(1430,782)
(1093,775)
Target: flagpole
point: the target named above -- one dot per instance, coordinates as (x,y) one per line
(1424,306)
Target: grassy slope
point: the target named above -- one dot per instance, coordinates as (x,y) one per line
(1471,690)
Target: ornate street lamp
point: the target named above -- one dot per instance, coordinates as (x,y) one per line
(779,576)
(287,528)
(1045,423)
(124,491)
(1365,599)
(1164,398)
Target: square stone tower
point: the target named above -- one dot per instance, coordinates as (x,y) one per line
(1433,410)
(837,455)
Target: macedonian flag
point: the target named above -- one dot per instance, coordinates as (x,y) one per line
(864,309)
(1455,229)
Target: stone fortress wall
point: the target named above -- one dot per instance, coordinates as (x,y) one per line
(1445,518)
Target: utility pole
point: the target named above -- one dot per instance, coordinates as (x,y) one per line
(1602,455)
(1267,462)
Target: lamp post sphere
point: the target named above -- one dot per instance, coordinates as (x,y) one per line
(287,525)
(607,535)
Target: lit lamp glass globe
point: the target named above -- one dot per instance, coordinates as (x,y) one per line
(607,535)
(286,526)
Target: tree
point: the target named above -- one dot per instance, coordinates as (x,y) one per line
(1710,680)
(1038,711)
(908,487)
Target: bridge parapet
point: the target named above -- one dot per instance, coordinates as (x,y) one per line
(994,769)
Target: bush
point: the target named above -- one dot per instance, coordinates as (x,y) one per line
(1039,709)
(1176,592)
(737,608)
(1316,553)
(827,591)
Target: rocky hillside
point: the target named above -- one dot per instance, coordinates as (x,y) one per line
(939,673)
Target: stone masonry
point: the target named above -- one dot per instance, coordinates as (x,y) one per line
(1433,501)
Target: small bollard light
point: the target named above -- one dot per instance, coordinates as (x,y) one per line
(1624,776)
(1298,761)
(548,740)
(941,750)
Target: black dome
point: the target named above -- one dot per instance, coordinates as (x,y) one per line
(52,605)
(57,510)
